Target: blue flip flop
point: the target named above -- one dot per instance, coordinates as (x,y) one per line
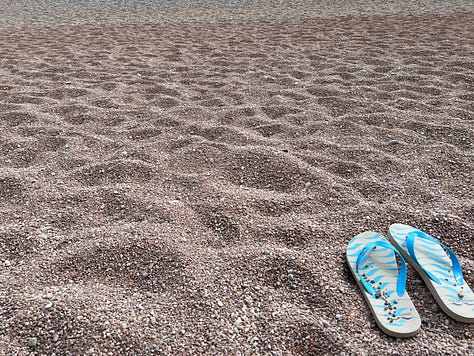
(439,267)
(372,260)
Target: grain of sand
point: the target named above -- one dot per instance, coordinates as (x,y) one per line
(191,188)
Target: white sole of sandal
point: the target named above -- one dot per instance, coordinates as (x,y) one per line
(378,271)
(454,298)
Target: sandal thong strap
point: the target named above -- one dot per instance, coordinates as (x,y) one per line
(457,270)
(402,275)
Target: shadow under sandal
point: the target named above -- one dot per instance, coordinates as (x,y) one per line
(439,267)
(372,260)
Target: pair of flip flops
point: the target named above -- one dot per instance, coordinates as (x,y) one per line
(373,261)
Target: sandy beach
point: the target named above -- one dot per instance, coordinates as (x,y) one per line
(190,187)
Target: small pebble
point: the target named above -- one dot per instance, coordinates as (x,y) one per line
(55,337)
(324,322)
(32,342)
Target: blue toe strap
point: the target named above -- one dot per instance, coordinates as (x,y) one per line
(402,276)
(457,270)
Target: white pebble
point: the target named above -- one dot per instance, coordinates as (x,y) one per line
(32,342)
(324,322)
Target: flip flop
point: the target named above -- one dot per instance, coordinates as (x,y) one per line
(439,267)
(372,260)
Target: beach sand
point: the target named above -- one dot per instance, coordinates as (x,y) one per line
(191,188)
